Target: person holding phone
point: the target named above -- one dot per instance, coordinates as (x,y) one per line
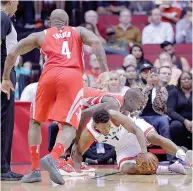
(154,105)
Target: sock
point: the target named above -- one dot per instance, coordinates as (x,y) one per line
(180,154)
(162,170)
(35,156)
(57,151)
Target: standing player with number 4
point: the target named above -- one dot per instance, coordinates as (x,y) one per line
(60,88)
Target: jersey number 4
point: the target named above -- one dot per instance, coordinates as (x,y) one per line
(65,49)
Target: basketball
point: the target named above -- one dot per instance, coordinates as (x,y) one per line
(143,169)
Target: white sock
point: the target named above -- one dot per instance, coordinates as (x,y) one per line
(180,154)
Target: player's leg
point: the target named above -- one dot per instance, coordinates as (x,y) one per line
(39,113)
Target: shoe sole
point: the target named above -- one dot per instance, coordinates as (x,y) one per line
(73,174)
(32,180)
(10,179)
(54,175)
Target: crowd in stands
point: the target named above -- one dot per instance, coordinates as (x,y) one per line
(166,82)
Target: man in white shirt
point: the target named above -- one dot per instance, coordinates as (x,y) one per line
(157,31)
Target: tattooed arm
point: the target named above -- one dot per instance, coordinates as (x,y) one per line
(90,39)
(24,46)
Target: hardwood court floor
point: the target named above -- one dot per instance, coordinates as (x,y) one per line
(106,178)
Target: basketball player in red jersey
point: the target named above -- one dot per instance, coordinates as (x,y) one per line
(60,88)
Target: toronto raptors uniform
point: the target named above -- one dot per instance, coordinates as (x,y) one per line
(126,144)
(60,88)
(94,96)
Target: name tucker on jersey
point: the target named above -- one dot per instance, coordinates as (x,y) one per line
(62,35)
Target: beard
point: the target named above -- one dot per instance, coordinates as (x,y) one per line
(144,81)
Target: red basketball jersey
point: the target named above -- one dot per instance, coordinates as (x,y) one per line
(63,48)
(94,96)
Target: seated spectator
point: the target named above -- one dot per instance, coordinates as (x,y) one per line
(129,60)
(86,80)
(131,77)
(111,7)
(125,31)
(157,31)
(113,46)
(180,111)
(103,81)
(29,93)
(92,17)
(170,13)
(141,7)
(180,62)
(175,72)
(166,60)
(154,107)
(95,70)
(114,85)
(137,51)
(100,153)
(165,74)
(122,75)
(184,28)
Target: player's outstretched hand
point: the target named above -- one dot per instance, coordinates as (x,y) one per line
(147,160)
(6,87)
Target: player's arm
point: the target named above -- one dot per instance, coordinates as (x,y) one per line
(128,124)
(90,39)
(23,46)
(108,103)
(83,145)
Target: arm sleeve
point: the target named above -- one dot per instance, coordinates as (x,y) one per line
(171,106)
(5,26)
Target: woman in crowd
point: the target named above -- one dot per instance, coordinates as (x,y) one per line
(137,51)
(131,77)
(180,111)
(122,75)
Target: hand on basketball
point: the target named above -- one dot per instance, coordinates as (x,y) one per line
(6,87)
(147,160)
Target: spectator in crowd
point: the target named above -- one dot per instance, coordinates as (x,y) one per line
(92,17)
(95,70)
(86,80)
(165,74)
(114,85)
(184,28)
(129,60)
(113,46)
(157,31)
(111,7)
(103,81)
(170,13)
(154,106)
(131,77)
(100,153)
(180,111)
(125,31)
(141,7)
(137,51)
(122,75)
(180,62)
(29,92)
(166,60)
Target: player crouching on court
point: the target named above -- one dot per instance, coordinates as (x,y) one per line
(118,130)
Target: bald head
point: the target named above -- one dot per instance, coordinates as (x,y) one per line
(59,18)
(132,99)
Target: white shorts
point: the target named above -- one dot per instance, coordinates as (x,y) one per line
(127,153)
(145,127)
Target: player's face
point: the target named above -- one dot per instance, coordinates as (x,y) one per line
(103,128)
(132,104)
